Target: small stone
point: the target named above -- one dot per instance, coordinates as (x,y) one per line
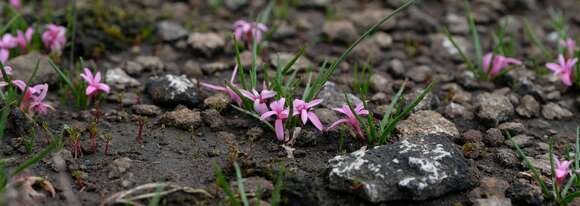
(521,140)
(213,118)
(513,128)
(170,31)
(367,51)
(454,110)
(382,39)
(332,97)
(493,137)
(419,74)
(472,150)
(192,69)
(150,63)
(213,67)
(120,80)
(396,67)
(426,122)
(206,43)
(341,31)
(146,109)
(132,68)
(255,185)
(491,191)
(301,64)
(326,116)
(119,167)
(457,24)
(493,109)
(182,118)
(23,66)
(379,83)
(507,157)
(427,103)
(553,111)
(417,168)
(528,107)
(471,136)
(171,90)
(368,17)
(246,57)
(218,101)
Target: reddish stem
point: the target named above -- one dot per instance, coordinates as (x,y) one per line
(94,142)
(107,148)
(141,123)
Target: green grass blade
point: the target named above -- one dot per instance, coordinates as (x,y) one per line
(530,165)
(157,197)
(10,22)
(240,182)
(292,61)
(390,108)
(474,69)
(535,40)
(474,34)
(278,186)
(223,183)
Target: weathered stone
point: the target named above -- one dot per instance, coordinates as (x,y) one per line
(146,109)
(332,97)
(171,90)
(528,107)
(206,43)
(120,80)
(150,63)
(419,74)
(507,157)
(182,118)
(213,118)
(513,128)
(426,122)
(132,68)
(192,69)
(170,31)
(493,137)
(521,192)
(493,109)
(379,83)
(491,191)
(416,168)
(552,111)
(301,64)
(521,140)
(219,101)
(368,17)
(23,66)
(342,31)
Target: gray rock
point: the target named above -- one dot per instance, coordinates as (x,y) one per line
(369,17)
(24,65)
(120,80)
(320,4)
(235,4)
(382,39)
(341,31)
(170,31)
(416,168)
(182,118)
(132,68)
(218,101)
(491,191)
(507,157)
(119,166)
(522,192)
(301,64)
(457,24)
(513,128)
(171,90)
(368,52)
(521,140)
(150,63)
(326,116)
(493,137)
(284,30)
(213,67)
(454,110)
(426,122)
(396,67)
(206,43)
(528,107)
(146,109)
(427,103)
(213,118)
(333,97)
(553,111)
(379,83)
(493,109)
(192,69)
(420,73)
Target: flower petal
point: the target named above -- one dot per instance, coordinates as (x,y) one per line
(279,127)
(315,121)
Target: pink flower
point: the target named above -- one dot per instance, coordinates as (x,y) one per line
(34,97)
(16,4)
(24,38)
(563,69)
(7,42)
(570,46)
(277,108)
(94,83)
(54,38)
(259,99)
(301,107)
(562,170)
(350,117)
(494,67)
(226,89)
(248,31)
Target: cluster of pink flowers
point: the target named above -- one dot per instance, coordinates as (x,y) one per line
(565,66)
(562,170)
(54,38)
(276,108)
(351,118)
(249,31)
(493,64)
(33,100)
(94,84)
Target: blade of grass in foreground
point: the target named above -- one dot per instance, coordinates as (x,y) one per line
(325,76)
(474,34)
(535,172)
(223,183)
(474,69)
(7,26)
(240,182)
